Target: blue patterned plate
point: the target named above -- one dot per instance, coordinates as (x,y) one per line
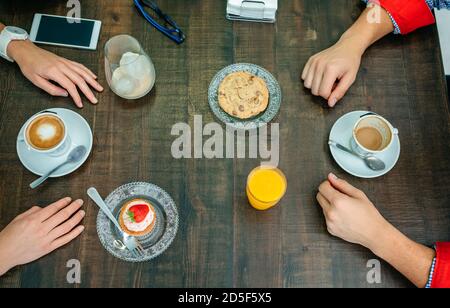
(154,243)
(255,122)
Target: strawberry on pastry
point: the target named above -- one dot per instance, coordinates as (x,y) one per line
(138,212)
(137,217)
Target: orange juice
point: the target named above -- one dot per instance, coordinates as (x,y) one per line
(265,187)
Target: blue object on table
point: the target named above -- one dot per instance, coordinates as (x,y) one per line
(170,27)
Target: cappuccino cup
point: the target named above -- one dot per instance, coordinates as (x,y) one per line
(46,133)
(372,134)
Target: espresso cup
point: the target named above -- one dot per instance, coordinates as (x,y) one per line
(46,132)
(372,134)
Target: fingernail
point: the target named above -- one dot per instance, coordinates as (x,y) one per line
(333,176)
(82,213)
(94,100)
(333,102)
(64,94)
(81,228)
(80,202)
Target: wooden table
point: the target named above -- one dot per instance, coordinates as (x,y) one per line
(222,241)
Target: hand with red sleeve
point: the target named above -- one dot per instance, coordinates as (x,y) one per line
(330,73)
(351,216)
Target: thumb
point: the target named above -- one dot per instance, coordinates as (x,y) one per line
(344,187)
(342,87)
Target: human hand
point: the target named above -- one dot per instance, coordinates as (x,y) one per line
(330,73)
(43,68)
(39,231)
(349,214)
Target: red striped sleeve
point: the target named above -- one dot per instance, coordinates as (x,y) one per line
(409,14)
(441,276)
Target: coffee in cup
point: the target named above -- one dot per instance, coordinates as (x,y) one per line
(45,132)
(370,138)
(372,134)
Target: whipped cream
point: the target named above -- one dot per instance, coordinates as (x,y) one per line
(141,226)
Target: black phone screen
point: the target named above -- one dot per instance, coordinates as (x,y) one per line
(59,30)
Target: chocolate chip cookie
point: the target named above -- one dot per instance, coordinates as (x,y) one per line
(243,95)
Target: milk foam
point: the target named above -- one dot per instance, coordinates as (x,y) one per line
(46,131)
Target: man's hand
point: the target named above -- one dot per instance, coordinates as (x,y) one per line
(38,232)
(44,68)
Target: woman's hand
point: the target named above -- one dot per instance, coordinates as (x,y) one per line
(349,213)
(44,68)
(37,232)
(330,73)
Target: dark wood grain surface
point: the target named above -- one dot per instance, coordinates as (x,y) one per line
(222,241)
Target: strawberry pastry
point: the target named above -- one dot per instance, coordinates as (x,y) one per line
(137,217)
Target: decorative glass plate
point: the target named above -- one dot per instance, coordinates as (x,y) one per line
(154,243)
(257,121)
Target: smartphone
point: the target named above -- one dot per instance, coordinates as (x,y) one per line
(65,31)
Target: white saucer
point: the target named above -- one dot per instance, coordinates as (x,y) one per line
(80,134)
(342,133)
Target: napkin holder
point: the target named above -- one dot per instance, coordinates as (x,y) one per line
(252,10)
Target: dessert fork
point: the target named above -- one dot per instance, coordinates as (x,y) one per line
(130,242)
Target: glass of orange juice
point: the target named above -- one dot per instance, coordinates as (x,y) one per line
(266,186)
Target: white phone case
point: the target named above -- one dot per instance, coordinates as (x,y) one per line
(94,36)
